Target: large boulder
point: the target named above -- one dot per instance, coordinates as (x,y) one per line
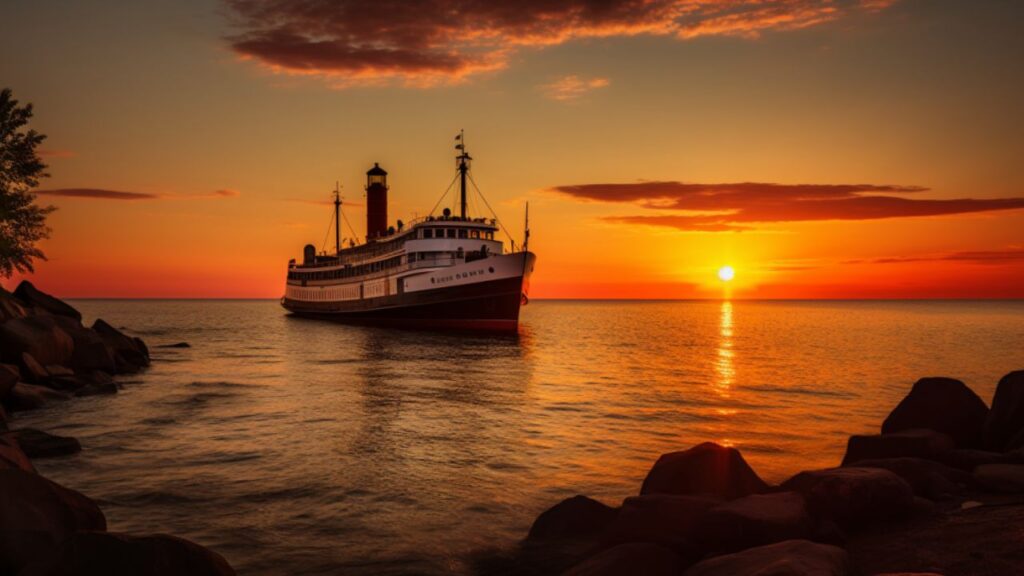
(9,376)
(36,298)
(39,444)
(968,458)
(29,396)
(919,443)
(32,370)
(10,307)
(789,558)
(942,404)
(854,496)
(631,559)
(576,517)
(755,521)
(105,554)
(11,454)
(129,353)
(667,519)
(91,352)
(30,502)
(39,336)
(707,468)
(927,478)
(1007,478)
(1004,429)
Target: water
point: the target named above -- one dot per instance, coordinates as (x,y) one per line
(297,446)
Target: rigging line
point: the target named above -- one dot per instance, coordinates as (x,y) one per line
(444,195)
(488,204)
(345,218)
(323,247)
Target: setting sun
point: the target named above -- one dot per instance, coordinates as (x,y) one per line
(726,273)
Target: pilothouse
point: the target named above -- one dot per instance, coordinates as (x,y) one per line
(440,271)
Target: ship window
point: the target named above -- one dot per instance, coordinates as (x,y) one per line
(475,234)
(490,235)
(428,233)
(462,233)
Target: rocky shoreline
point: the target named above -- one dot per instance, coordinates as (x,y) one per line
(47,355)
(939,491)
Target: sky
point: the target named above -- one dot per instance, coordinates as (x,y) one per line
(823,149)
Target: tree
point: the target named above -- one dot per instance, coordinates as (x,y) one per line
(22,222)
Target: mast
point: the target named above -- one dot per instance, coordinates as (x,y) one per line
(337,218)
(463,159)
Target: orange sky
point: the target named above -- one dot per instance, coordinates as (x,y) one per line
(839,149)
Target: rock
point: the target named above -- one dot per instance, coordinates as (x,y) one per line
(941,404)
(29,396)
(29,502)
(91,351)
(576,517)
(1001,477)
(39,444)
(12,456)
(967,458)
(36,298)
(668,519)
(854,496)
(32,370)
(128,352)
(631,559)
(1004,429)
(9,376)
(105,554)
(176,345)
(40,336)
(755,521)
(55,370)
(920,443)
(927,478)
(10,307)
(789,558)
(704,469)
(141,346)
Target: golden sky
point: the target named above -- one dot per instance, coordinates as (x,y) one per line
(835,149)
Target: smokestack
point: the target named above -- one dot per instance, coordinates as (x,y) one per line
(376,202)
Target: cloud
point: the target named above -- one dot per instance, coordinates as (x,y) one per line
(1010,255)
(736,207)
(103,194)
(572,87)
(443,41)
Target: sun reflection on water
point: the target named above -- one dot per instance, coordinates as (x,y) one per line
(724,369)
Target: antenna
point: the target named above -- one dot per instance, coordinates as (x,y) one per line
(526,229)
(463,165)
(337,217)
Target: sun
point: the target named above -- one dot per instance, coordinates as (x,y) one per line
(726,273)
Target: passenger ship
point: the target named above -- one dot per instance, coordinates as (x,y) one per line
(440,272)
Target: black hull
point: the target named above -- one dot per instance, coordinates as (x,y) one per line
(492,305)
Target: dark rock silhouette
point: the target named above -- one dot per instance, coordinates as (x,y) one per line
(37,335)
(854,496)
(968,459)
(789,558)
(38,444)
(576,517)
(12,456)
(1004,428)
(10,307)
(32,296)
(755,521)
(31,503)
(927,478)
(704,469)
(9,376)
(30,396)
(671,520)
(106,554)
(634,558)
(175,345)
(129,353)
(921,443)
(1007,478)
(942,404)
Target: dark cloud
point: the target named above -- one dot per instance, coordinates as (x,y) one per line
(1011,255)
(102,194)
(736,207)
(430,41)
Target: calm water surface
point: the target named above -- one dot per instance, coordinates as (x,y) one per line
(296,446)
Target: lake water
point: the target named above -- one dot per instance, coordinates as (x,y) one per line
(299,446)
